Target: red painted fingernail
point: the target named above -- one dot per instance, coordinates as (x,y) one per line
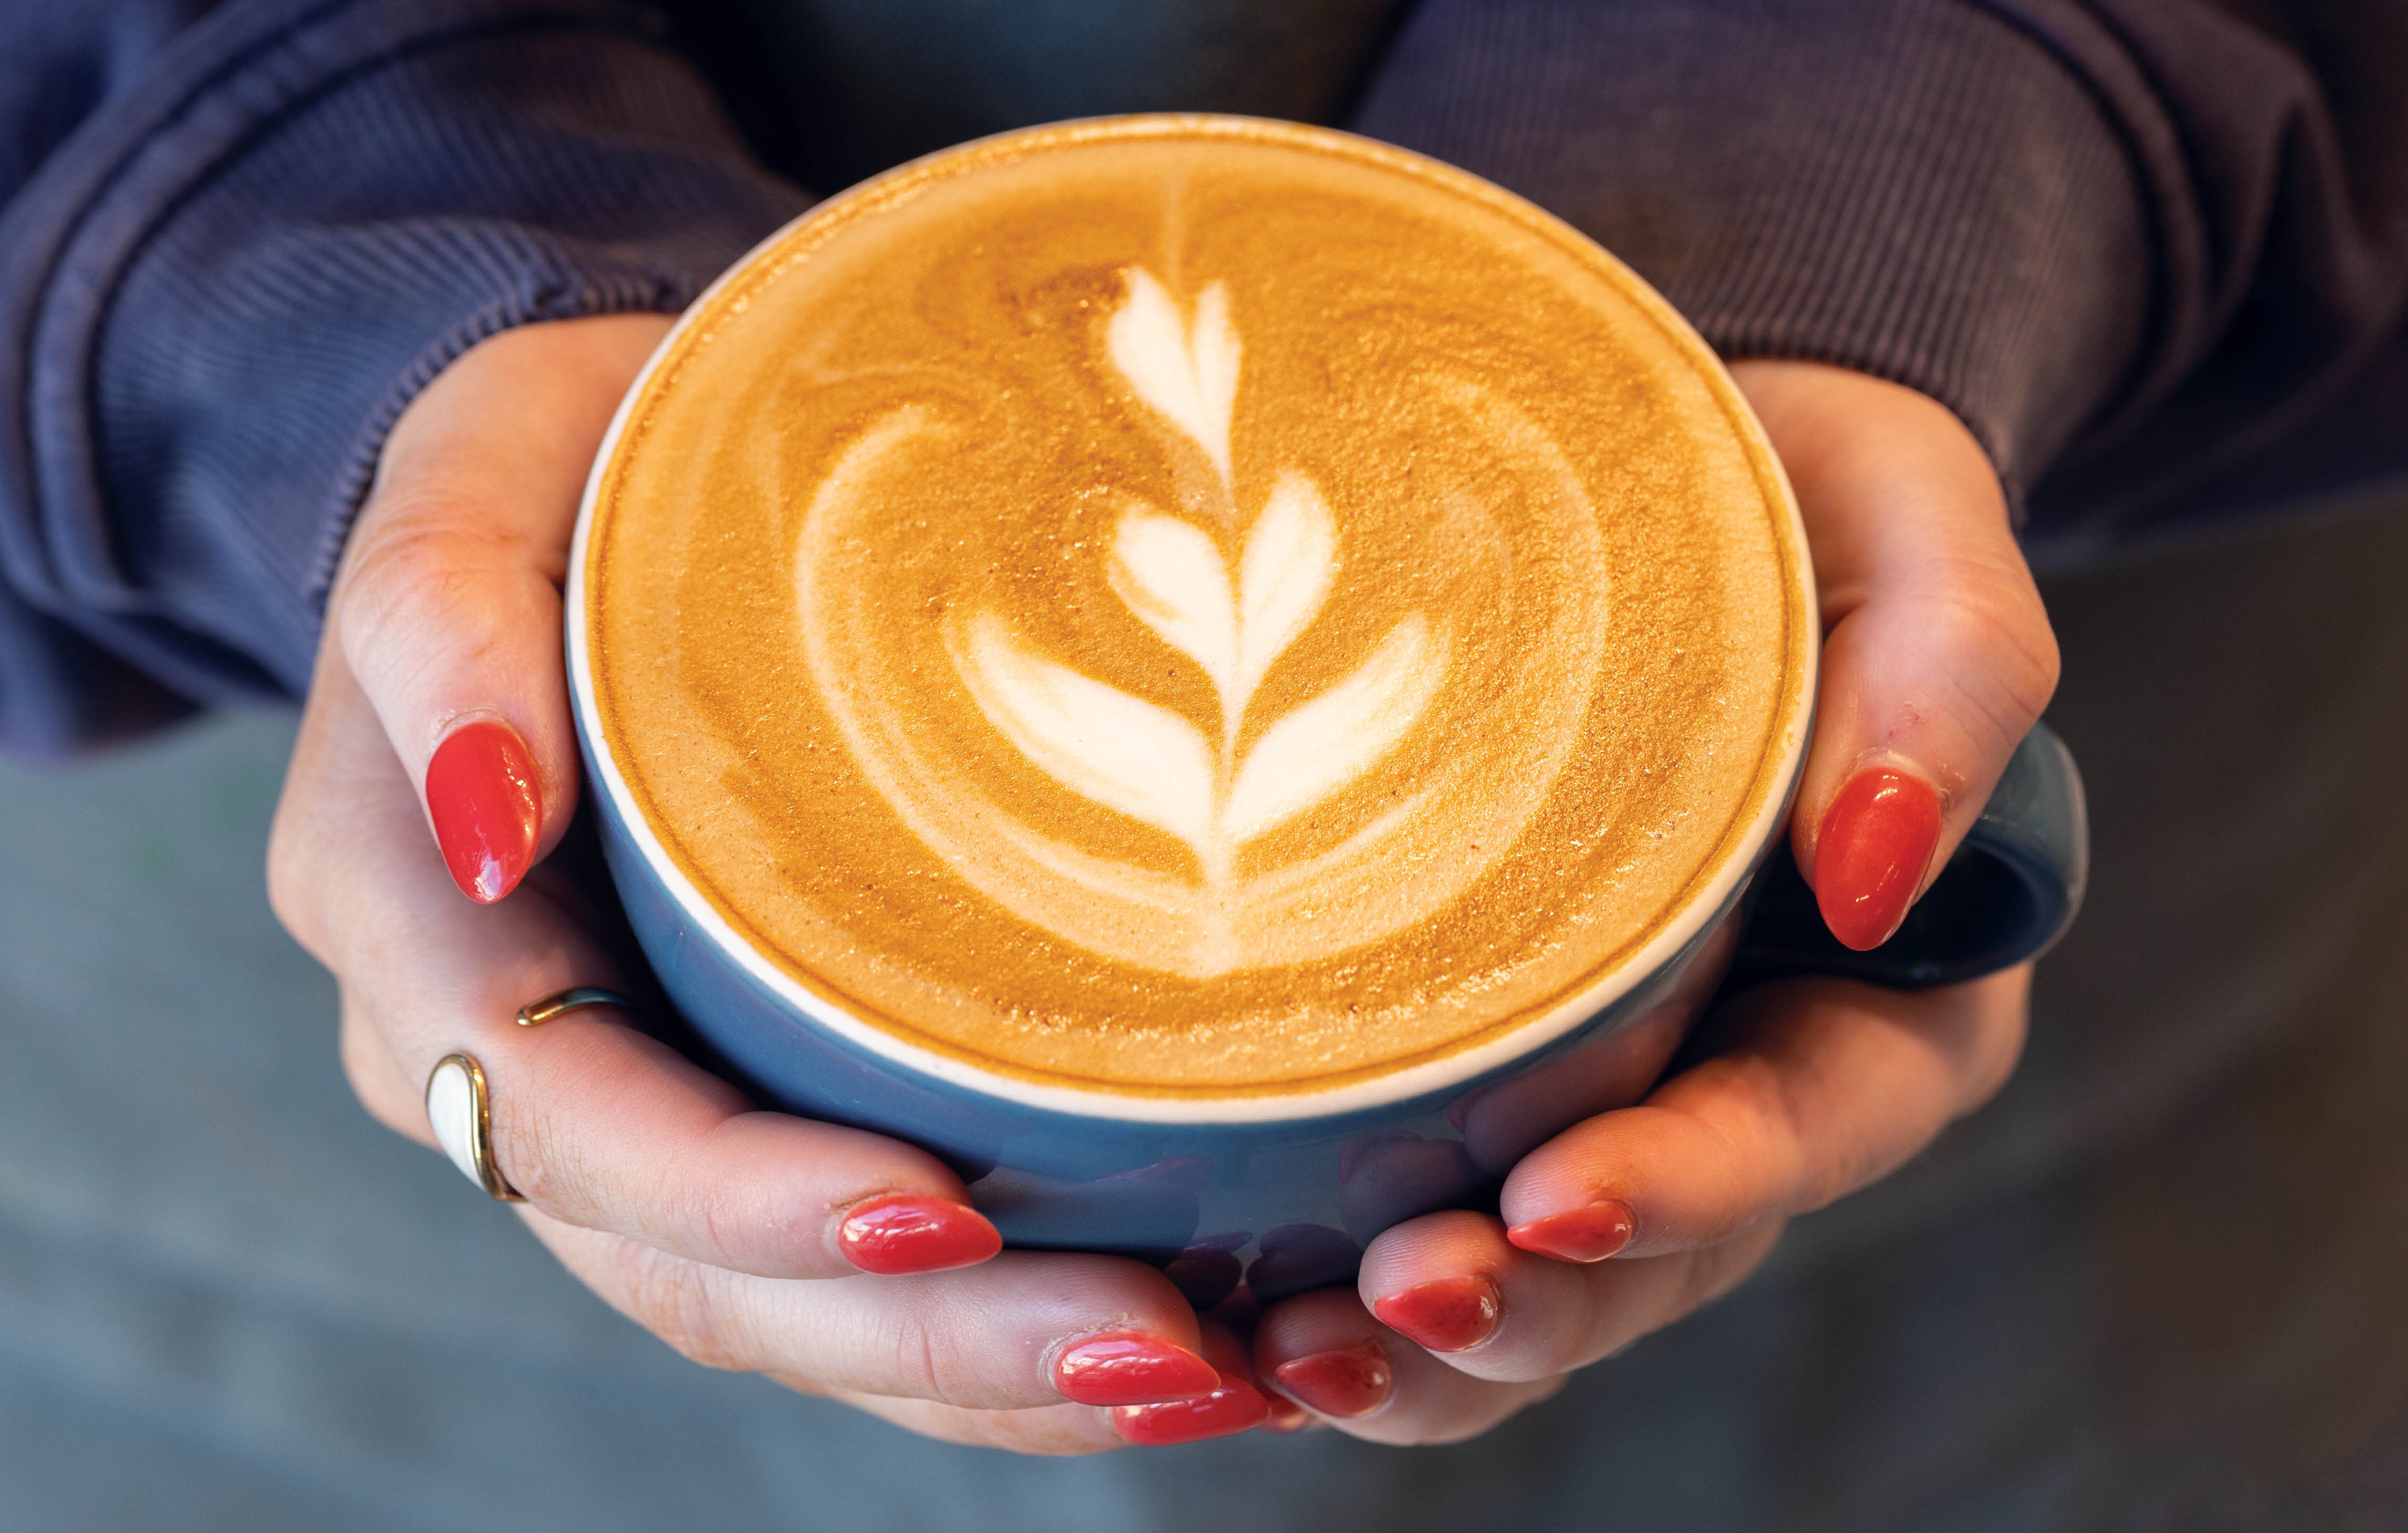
(1284,1416)
(1588,1234)
(1347,1382)
(1234,1407)
(1132,1368)
(1877,841)
(1446,1314)
(482,796)
(901,1235)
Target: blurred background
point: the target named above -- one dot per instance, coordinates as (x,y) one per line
(2162,1281)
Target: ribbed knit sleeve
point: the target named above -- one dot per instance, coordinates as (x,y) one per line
(1914,188)
(220,289)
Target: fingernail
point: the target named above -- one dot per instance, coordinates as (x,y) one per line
(1589,1234)
(1347,1382)
(1234,1407)
(1283,1416)
(1876,842)
(902,1234)
(1447,1314)
(481,794)
(1132,1368)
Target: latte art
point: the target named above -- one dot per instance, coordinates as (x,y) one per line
(1231,595)
(1190,607)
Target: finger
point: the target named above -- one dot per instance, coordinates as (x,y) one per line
(1235,1404)
(1025,1330)
(1049,1431)
(1454,1285)
(448,607)
(1938,655)
(594,1122)
(1825,1085)
(1063,1430)
(1326,1351)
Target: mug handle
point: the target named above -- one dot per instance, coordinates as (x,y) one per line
(2008,894)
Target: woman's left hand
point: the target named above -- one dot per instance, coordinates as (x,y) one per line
(1938,658)
(1816,1088)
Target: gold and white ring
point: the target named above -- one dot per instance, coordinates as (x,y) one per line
(461,1113)
(459,1106)
(536,1013)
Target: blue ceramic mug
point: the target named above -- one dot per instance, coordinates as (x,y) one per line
(1287,1190)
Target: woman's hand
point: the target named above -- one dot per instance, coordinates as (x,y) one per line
(436,767)
(1938,658)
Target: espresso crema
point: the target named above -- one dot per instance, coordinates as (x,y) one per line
(1193,607)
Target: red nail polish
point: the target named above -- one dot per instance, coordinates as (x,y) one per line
(1447,1314)
(482,796)
(1132,1368)
(1346,1382)
(1234,1407)
(1589,1234)
(901,1235)
(1876,843)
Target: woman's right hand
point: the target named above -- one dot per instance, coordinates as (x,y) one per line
(436,767)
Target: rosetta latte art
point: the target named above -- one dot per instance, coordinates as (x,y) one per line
(1197,607)
(1143,760)
(1231,594)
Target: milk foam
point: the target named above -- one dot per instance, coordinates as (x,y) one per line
(1211,788)
(1243,613)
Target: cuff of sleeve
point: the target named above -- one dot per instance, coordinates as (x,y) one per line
(1910,188)
(222,292)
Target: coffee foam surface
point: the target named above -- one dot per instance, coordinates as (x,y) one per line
(1191,607)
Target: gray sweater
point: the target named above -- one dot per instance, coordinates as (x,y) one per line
(2154,253)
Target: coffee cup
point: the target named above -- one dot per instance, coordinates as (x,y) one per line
(1228,680)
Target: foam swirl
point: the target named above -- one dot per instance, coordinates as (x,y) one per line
(1191,608)
(1402,858)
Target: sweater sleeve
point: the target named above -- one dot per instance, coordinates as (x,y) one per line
(1913,188)
(222,286)
(2153,252)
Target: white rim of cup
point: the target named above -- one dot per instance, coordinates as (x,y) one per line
(1705,904)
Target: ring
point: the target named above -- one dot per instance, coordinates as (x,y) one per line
(460,1108)
(460,1115)
(536,1013)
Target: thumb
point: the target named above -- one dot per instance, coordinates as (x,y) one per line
(1938,656)
(448,607)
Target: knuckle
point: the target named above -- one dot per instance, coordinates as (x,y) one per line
(932,1365)
(1748,1104)
(692,1212)
(676,1302)
(2005,652)
(542,1162)
(425,575)
(396,569)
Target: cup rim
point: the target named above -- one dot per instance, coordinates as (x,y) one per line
(1707,903)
